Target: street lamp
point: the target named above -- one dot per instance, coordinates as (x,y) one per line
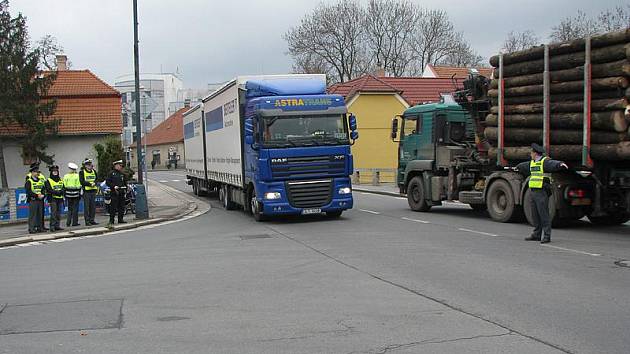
(142,208)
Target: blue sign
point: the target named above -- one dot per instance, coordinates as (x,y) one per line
(21,205)
(214,119)
(189,130)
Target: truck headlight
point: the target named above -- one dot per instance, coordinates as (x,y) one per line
(345,190)
(272,195)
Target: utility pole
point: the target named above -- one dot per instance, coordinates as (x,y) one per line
(142,209)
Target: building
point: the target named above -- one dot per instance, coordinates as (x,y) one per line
(165,143)
(447,72)
(157,92)
(88,110)
(376,101)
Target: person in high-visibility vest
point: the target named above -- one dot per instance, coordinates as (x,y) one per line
(35,195)
(72,191)
(87,177)
(54,191)
(28,175)
(539,170)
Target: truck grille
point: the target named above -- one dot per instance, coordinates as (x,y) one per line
(309,194)
(305,167)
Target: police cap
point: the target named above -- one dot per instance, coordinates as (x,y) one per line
(118,162)
(537,148)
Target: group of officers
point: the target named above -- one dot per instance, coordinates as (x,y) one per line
(69,189)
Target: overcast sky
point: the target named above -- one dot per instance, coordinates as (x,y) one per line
(211,41)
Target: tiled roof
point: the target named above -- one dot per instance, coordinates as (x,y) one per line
(414,90)
(169,131)
(460,73)
(85,105)
(79,83)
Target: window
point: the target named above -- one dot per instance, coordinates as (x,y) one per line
(411,125)
(125,119)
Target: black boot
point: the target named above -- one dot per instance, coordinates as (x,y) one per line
(546,240)
(532,238)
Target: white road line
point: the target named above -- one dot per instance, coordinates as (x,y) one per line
(370,211)
(572,250)
(163,181)
(175,180)
(478,232)
(416,220)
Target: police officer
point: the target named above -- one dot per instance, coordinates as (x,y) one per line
(117,182)
(87,177)
(35,195)
(28,175)
(539,169)
(72,189)
(54,191)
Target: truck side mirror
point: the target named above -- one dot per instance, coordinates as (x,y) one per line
(354,135)
(394,134)
(249,133)
(352,121)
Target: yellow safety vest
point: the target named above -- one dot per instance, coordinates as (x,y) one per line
(37,186)
(538,175)
(73,185)
(57,187)
(90,177)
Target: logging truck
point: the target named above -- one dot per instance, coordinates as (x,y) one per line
(570,97)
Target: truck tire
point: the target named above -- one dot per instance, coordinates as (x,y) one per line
(500,202)
(224,197)
(195,187)
(416,195)
(610,220)
(255,207)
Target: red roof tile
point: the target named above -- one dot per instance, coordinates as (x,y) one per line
(169,131)
(414,90)
(85,105)
(459,73)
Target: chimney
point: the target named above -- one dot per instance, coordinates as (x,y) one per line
(380,72)
(187,103)
(62,62)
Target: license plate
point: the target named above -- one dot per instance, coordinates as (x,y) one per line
(578,202)
(311,211)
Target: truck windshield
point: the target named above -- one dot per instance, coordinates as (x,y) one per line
(305,130)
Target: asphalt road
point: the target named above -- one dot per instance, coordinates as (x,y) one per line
(380,279)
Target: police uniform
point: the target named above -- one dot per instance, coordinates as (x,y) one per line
(28,175)
(117,182)
(87,177)
(72,192)
(540,170)
(35,195)
(54,191)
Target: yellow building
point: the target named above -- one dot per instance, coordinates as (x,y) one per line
(375,101)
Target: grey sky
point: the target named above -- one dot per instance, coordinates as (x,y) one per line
(212,41)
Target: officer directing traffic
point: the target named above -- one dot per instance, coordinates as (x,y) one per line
(54,191)
(87,177)
(72,188)
(539,169)
(117,182)
(35,195)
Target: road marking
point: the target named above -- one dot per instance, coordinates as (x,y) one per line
(416,220)
(370,211)
(572,250)
(478,232)
(175,180)
(163,181)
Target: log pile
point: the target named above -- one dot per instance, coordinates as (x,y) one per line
(523,99)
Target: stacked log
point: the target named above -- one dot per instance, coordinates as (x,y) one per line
(523,99)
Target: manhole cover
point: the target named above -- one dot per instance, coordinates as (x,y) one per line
(623,263)
(253,237)
(61,316)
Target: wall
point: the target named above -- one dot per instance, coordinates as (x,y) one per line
(66,149)
(163,149)
(375,149)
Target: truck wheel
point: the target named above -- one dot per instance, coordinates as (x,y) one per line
(500,202)
(195,187)
(255,207)
(334,214)
(416,195)
(224,196)
(610,220)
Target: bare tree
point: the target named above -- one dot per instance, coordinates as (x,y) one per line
(49,48)
(310,63)
(333,33)
(516,41)
(389,27)
(434,38)
(461,54)
(614,19)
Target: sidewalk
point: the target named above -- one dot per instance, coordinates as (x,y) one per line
(390,189)
(165,203)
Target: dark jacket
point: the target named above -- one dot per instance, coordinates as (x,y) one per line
(549,166)
(116,179)
(50,192)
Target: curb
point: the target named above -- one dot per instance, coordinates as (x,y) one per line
(391,194)
(192,206)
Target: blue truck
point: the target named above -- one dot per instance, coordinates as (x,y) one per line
(272,145)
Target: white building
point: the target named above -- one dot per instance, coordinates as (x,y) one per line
(164,89)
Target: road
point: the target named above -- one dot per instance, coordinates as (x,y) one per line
(380,279)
